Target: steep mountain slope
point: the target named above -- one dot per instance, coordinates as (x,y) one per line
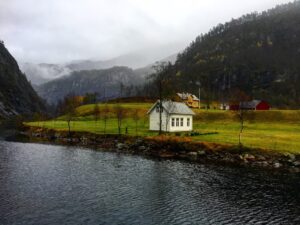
(109,83)
(16,94)
(41,73)
(133,60)
(257,54)
(44,72)
(147,70)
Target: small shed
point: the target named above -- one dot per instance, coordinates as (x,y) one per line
(175,117)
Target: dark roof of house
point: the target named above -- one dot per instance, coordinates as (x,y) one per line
(174,108)
(250,105)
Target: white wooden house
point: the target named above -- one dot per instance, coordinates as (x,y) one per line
(176,117)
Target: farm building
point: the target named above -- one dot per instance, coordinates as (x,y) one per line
(250,105)
(176,117)
(190,100)
(226,106)
(255,105)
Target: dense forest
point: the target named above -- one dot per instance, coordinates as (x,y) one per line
(257,55)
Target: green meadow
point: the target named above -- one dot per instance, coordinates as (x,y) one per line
(277,130)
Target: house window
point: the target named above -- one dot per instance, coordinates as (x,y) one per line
(181,122)
(177,122)
(173,122)
(188,122)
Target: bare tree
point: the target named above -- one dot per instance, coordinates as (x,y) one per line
(241,116)
(37,117)
(161,79)
(239,98)
(105,112)
(119,110)
(96,113)
(70,113)
(136,118)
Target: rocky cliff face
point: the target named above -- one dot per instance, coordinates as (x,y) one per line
(109,83)
(16,93)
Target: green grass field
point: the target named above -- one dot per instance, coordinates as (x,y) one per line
(273,130)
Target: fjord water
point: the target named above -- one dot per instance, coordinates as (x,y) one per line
(45,184)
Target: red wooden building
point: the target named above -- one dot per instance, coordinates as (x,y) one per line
(251,105)
(255,105)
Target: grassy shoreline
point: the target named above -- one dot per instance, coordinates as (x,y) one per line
(168,147)
(275,130)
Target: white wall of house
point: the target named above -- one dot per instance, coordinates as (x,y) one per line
(154,120)
(170,123)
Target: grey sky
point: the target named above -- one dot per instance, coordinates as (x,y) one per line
(63,30)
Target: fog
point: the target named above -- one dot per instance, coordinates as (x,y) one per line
(58,31)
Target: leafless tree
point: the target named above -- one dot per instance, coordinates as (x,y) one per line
(161,79)
(69,109)
(105,112)
(120,112)
(241,116)
(96,113)
(136,118)
(239,97)
(37,117)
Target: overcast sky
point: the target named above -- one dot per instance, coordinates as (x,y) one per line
(57,31)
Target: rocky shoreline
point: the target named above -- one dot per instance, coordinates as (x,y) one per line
(166,147)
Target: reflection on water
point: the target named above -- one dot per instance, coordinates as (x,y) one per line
(44,184)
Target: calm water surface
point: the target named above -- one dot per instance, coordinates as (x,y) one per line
(44,184)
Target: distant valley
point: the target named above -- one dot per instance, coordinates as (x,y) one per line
(53,82)
(107,83)
(142,61)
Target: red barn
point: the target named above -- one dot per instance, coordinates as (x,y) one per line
(234,107)
(255,105)
(263,105)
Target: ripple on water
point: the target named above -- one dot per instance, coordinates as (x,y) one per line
(43,184)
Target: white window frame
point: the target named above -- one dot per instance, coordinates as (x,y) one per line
(177,122)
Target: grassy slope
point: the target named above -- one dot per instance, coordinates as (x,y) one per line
(275,130)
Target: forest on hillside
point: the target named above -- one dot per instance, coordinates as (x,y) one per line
(257,54)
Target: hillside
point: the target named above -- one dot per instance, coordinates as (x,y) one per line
(108,83)
(257,55)
(16,94)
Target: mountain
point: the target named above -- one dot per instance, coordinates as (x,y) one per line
(44,72)
(16,94)
(147,70)
(133,60)
(108,83)
(256,55)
